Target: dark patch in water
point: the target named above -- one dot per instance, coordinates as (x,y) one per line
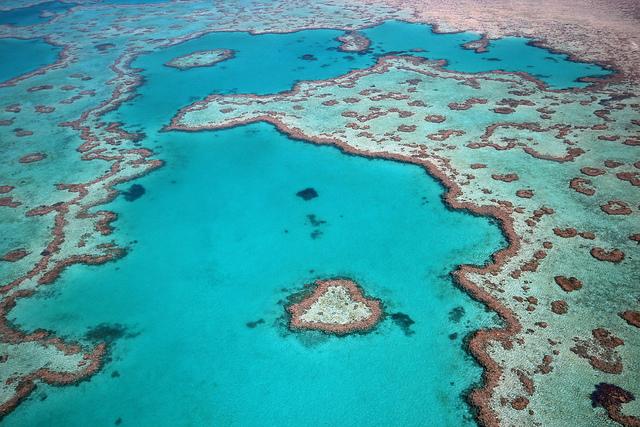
(118,421)
(255,323)
(404,322)
(610,396)
(108,333)
(316,234)
(453,336)
(115,374)
(309,339)
(308,57)
(315,221)
(134,192)
(307,194)
(102,47)
(456,314)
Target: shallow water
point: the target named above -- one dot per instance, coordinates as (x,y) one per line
(513,54)
(270,63)
(222,240)
(219,239)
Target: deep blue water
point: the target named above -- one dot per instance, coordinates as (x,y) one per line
(18,56)
(33,14)
(219,239)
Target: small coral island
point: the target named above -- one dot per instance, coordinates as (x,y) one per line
(201,58)
(335,306)
(353,41)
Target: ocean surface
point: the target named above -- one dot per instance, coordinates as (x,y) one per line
(219,239)
(36,14)
(22,56)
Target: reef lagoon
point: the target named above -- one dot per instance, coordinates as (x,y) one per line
(218,242)
(252,214)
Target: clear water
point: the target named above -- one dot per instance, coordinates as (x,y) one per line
(270,63)
(219,239)
(132,1)
(21,56)
(513,54)
(36,14)
(222,240)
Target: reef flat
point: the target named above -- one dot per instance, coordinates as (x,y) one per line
(205,58)
(549,152)
(335,306)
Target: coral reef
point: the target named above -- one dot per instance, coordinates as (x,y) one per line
(335,306)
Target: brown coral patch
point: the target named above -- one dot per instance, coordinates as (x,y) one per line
(525,194)
(614,255)
(509,177)
(631,317)
(32,157)
(599,351)
(566,232)
(559,307)
(519,403)
(589,235)
(616,207)
(460,106)
(435,118)
(407,128)
(44,109)
(589,171)
(503,110)
(9,202)
(581,186)
(14,255)
(20,133)
(13,108)
(612,163)
(353,41)
(611,398)
(445,134)
(39,88)
(632,142)
(568,284)
(632,177)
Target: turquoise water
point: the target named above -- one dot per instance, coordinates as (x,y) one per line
(132,1)
(33,14)
(219,239)
(270,63)
(21,56)
(506,54)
